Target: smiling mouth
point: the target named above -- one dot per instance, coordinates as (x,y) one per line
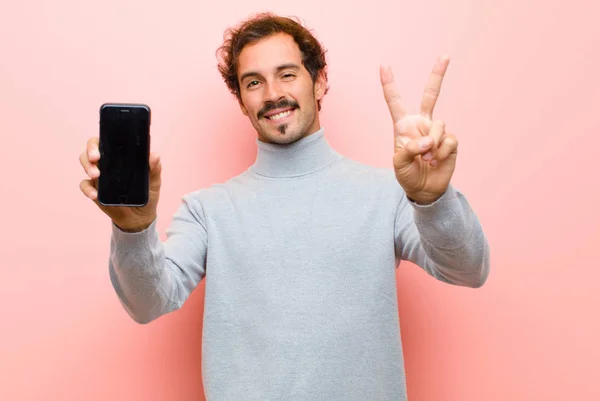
(279,116)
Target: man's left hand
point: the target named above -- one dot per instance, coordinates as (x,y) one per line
(424,153)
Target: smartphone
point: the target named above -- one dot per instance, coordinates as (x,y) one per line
(124,144)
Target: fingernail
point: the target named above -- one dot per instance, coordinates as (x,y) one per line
(434,162)
(427,156)
(424,142)
(94,153)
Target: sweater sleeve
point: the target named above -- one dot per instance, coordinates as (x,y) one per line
(152,277)
(444,238)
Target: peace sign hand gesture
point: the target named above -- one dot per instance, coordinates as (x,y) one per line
(424,153)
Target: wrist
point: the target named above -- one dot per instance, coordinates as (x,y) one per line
(422,200)
(427,200)
(135,227)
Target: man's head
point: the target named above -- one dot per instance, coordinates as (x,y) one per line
(277,71)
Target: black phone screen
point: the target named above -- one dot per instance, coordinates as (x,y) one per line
(124,145)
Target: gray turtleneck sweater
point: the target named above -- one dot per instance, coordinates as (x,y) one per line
(299,255)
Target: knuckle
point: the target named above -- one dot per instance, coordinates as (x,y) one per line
(452,141)
(432,91)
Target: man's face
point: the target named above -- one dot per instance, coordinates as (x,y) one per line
(277,92)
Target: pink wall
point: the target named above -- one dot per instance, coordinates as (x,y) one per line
(521,94)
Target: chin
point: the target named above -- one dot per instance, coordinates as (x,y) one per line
(274,135)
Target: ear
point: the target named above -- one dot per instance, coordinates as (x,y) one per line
(320,86)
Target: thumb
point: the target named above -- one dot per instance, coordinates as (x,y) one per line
(407,150)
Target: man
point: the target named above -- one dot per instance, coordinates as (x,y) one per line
(299,252)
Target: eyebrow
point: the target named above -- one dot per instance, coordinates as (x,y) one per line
(279,68)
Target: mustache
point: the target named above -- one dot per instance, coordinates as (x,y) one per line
(276,105)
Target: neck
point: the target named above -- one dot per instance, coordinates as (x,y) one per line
(305,156)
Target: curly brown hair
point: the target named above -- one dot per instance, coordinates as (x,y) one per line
(259,27)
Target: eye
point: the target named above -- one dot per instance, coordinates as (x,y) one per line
(251,84)
(288,75)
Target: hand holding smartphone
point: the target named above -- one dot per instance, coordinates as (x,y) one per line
(124,177)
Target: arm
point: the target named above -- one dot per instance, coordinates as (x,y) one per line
(152,278)
(445,238)
(435,227)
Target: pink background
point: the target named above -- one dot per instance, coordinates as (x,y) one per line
(521,94)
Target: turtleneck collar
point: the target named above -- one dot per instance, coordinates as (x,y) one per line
(305,156)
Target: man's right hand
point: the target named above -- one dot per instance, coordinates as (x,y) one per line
(130,219)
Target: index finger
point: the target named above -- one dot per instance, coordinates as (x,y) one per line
(392,97)
(92,149)
(434,86)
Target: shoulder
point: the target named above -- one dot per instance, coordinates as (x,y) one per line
(217,192)
(368,175)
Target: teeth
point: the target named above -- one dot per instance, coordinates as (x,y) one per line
(280,115)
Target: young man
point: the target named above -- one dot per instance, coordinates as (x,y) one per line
(299,252)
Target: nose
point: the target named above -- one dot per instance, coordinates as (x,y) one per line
(274,91)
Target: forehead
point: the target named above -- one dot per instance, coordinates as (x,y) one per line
(269,53)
